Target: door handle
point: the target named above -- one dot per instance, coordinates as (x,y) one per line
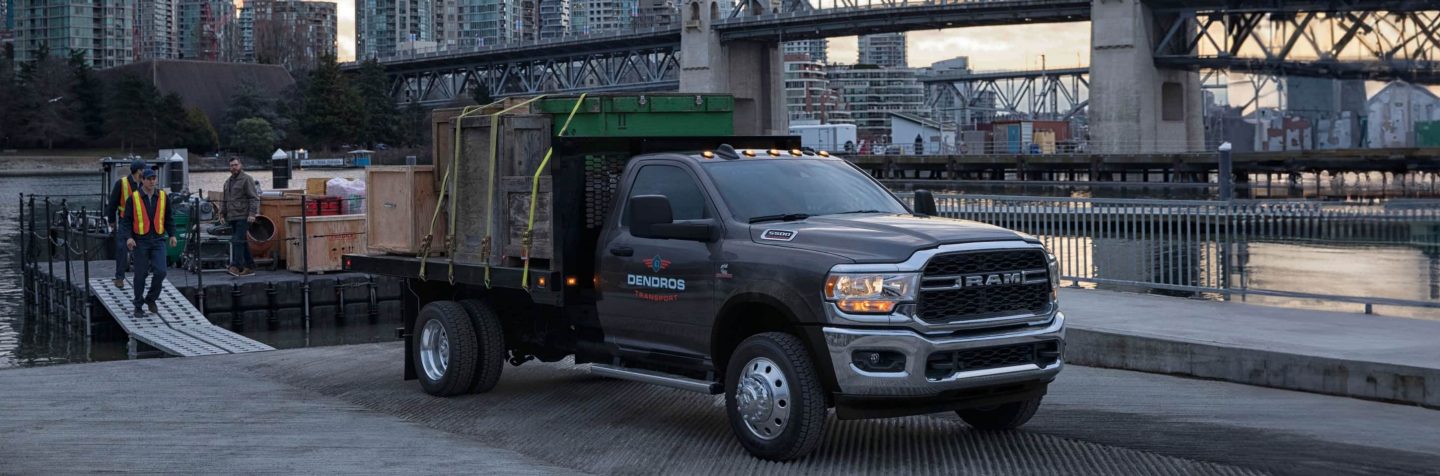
(622,251)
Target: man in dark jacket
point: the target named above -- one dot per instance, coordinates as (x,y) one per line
(242,204)
(117,211)
(150,226)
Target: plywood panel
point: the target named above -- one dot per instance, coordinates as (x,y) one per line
(402,203)
(327,239)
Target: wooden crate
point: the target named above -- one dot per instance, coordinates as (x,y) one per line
(327,238)
(402,202)
(516,219)
(316,186)
(522,142)
(278,210)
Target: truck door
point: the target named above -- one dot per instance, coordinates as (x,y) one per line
(658,295)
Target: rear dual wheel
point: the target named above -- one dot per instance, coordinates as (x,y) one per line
(459,348)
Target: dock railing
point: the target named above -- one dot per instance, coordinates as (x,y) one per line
(1206,247)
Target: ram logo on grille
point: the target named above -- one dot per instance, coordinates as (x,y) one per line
(991,279)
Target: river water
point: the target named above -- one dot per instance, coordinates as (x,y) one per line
(1379,270)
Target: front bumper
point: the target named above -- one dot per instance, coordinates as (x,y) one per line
(916,348)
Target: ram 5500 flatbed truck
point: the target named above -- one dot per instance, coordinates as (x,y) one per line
(791,282)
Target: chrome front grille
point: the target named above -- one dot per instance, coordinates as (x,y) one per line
(968,286)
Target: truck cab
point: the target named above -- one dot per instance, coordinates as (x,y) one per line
(789,281)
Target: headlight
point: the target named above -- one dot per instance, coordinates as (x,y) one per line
(870,293)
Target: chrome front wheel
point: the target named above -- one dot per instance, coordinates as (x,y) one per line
(763,398)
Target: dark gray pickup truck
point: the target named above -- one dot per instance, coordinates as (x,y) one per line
(789,281)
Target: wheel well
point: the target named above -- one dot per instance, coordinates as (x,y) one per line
(741,321)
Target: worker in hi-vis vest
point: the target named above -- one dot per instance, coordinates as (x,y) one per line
(150,226)
(118,211)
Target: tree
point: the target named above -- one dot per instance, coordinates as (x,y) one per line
(481,95)
(199,135)
(247,102)
(174,121)
(52,112)
(254,137)
(379,116)
(332,112)
(416,131)
(90,92)
(11,91)
(132,117)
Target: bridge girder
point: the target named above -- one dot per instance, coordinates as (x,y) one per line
(1054,94)
(1355,44)
(653,69)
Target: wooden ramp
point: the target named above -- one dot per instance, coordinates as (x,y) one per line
(179,329)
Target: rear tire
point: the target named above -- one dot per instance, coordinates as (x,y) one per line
(444,349)
(1007,416)
(490,337)
(773,397)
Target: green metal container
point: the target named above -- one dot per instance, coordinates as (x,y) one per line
(182,235)
(1427,134)
(643,115)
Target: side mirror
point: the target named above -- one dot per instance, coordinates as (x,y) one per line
(925,203)
(646,211)
(650,217)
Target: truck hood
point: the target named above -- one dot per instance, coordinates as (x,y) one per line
(876,238)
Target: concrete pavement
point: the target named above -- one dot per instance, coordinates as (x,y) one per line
(345,410)
(1348,354)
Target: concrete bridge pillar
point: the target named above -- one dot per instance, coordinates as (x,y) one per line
(1134,106)
(751,71)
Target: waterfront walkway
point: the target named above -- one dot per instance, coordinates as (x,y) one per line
(1336,353)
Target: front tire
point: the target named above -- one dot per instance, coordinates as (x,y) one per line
(1008,416)
(444,349)
(773,397)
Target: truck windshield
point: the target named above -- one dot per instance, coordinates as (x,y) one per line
(781,189)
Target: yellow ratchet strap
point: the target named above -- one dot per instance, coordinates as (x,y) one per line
(535,191)
(489,189)
(424,253)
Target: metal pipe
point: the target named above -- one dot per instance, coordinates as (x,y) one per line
(196,253)
(305,267)
(68,293)
(85,253)
(49,260)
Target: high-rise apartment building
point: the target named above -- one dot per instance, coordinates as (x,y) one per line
(808,96)
(103,29)
(656,13)
(156,29)
(7,22)
(294,34)
(207,30)
(554,18)
(492,22)
(871,94)
(886,50)
(383,27)
(816,50)
(599,16)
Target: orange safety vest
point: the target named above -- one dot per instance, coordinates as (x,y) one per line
(125,192)
(143,220)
